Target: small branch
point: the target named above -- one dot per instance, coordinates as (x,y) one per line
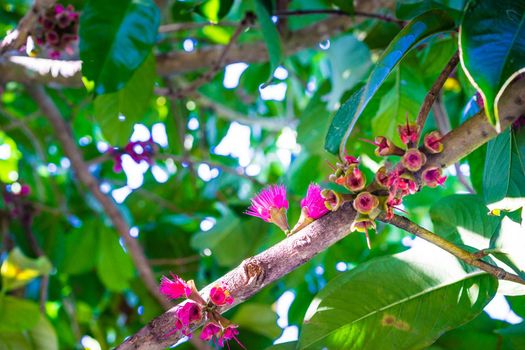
(339,13)
(247,22)
(469,258)
(64,136)
(435,89)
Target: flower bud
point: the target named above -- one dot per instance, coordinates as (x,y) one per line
(413,160)
(365,202)
(354,179)
(432,142)
(363,224)
(382,177)
(432,177)
(332,199)
(408,133)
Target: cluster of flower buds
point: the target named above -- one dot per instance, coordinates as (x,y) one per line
(271,205)
(196,310)
(384,194)
(13,196)
(57,29)
(138,151)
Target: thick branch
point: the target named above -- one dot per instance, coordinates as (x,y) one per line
(469,258)
(68,73)
(64,136)
(257,272)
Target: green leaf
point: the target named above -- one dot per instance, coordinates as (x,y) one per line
(43,335)
(407,9)
(214,10)
(9,163)
(504,172)
(513,336)
(265,323)
(403,301)
(115,38)
(270,35)
(80,250)
(220,239)
(463,218)
(117,112)
(420,28)
(17,314)
(18,270)
(345,5)
(492,43)
(114,266)
(346,73)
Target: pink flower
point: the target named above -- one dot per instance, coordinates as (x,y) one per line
(313,203)
(220,296)
(271,206)
(188,314)
(413,159)
(432,142)
(176,288)
(408,133)
(432,177)
(209,331)
(228,334)
(365,202)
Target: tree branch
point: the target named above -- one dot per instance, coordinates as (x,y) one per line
(257,272)
(64,136)
(68,73)
(435,89)
(378,16)
(469,258)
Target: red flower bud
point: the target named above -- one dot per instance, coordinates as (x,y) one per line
(332,199)
(408,133)
(354,179)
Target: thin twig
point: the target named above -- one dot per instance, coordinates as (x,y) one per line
(379,16)
(248,21)
(469,258)
(435,89)
(176,27)
(64,136)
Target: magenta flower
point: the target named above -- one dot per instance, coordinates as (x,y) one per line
(312,207)
(413,159)
(228,334)
(209,331)
(432,142)
(220,296)
(271,206)
(174,289)
(365,203)
(432,177)
(313,203)
(188,314)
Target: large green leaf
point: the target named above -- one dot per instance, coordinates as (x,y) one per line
(117,112)
(270,35)
(265,323)
(9,162)
(17,314)
(492,42)
(463,218)
(114,266)
(42,336)
(418,29)
(504,172)
(404,301)
(349,62)
(115,38)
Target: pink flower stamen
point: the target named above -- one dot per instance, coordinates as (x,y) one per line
(174,288)
(271,206)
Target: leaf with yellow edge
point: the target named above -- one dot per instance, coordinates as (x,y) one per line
(17,270)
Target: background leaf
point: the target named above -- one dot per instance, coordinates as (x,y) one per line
(492,42)
(126,31)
